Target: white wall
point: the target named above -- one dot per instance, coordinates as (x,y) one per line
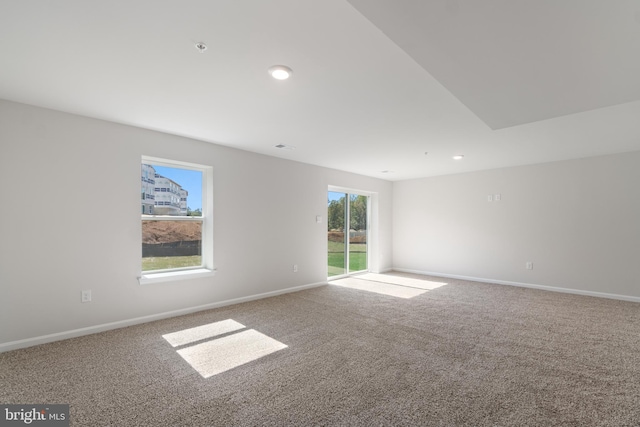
(51,248)
(578,222)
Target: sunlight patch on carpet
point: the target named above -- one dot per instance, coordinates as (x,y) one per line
(402,281)
(199,333)
(379,287)
(222,354)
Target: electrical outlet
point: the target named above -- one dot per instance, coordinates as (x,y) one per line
(295,268)
(490,198)
(529,265)
(497,197)
(86,296)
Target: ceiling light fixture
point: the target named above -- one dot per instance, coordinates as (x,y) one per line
(280,72)
(201,47)
(458,157)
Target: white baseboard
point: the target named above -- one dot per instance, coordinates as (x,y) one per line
(523,285)
(29,342)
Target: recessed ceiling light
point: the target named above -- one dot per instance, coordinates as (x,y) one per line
(285,147)
(280,72)
(201,47)
(458,157)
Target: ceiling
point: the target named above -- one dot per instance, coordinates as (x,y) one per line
(376,83)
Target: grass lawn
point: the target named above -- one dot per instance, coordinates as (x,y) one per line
(339,247)
(161,263)
(357,258)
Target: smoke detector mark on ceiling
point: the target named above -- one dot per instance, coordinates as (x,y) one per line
(201,47)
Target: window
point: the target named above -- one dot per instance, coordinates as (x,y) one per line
(177,232)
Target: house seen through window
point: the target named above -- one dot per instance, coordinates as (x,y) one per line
(174,216)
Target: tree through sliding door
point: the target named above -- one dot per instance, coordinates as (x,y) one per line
(347,231)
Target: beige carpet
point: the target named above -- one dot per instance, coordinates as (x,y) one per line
(457,353)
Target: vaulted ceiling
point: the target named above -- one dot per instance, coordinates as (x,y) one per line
(376,83)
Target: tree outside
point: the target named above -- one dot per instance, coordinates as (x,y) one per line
(358,208)
(336,215)
(197,212)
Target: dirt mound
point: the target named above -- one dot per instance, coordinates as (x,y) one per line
(338,236)
(170,231)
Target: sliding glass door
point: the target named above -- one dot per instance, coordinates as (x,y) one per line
(347,231)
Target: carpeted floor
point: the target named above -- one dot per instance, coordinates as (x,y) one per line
(455,353)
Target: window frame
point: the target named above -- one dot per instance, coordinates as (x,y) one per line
(206,219)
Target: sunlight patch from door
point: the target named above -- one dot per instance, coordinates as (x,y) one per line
(219,355)
(379,287)
(187,336)
(402,281)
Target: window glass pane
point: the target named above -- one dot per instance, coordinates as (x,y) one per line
(171,191)
(336,244)
(357,232)
(171,244)
(174,219)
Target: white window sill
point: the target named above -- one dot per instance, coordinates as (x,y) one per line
(172,276)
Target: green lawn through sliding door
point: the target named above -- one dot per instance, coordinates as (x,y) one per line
(357,258)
